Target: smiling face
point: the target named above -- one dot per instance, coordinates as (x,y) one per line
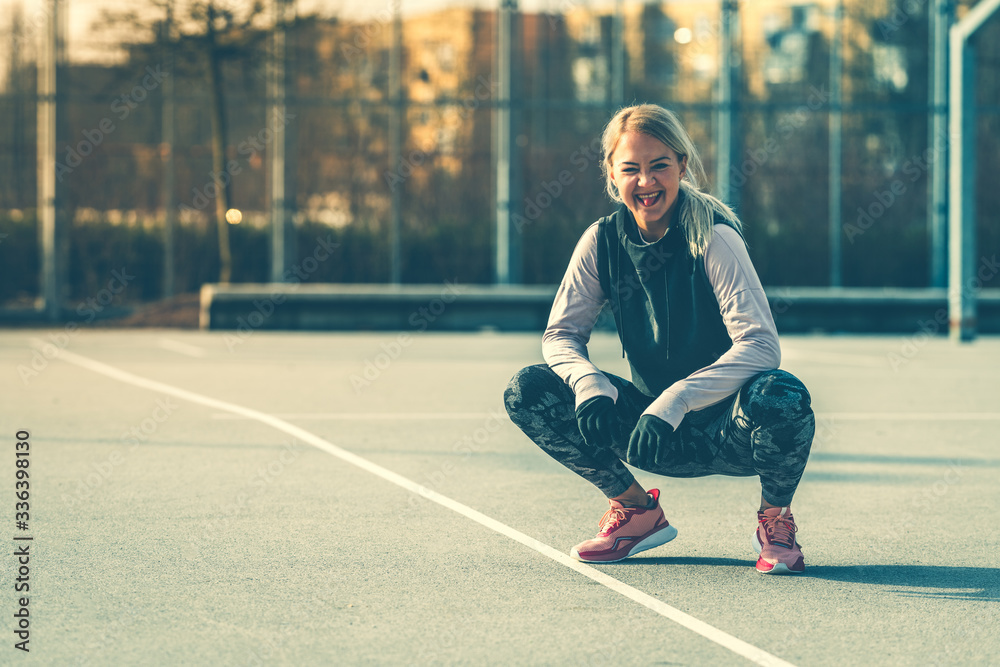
(648,176)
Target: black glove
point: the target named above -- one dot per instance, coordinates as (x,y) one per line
(598,421)
(649,445)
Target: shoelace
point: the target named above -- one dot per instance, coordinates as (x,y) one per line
(780,531)
(611,520)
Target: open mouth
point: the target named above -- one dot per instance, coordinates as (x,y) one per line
(650,199)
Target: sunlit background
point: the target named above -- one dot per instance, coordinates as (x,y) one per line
(198,141)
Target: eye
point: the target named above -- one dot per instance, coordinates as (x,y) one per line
(628,170)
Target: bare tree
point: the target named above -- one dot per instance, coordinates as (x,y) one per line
(221,35)
(209,33)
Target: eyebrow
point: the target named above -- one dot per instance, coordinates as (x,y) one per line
(659,159)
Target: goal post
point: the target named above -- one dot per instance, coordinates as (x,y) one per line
(962,281)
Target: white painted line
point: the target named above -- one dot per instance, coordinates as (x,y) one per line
(373,416)
(463,416)
(182,348)
(737,646)
(910,416)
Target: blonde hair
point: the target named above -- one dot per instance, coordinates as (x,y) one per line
(698,209)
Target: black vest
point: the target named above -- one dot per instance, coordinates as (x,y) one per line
(666,312)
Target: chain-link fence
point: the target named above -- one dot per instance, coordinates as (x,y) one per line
(389,129)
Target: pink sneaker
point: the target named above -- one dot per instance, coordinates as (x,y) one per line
(626,531)
(775,542)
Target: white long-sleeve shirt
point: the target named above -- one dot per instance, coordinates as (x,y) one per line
(744,310)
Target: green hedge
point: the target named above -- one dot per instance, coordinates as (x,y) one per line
(96,251)
(889,254)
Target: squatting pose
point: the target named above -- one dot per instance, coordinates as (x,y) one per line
(706,396)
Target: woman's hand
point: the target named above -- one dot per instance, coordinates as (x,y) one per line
(649,445)
(597,420)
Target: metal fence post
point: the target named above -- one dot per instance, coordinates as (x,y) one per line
(502,137)
(835,148)
(962,283)
(727,94)
(167,155)
(941,16)
(51,273)
(396,143)
(276,110)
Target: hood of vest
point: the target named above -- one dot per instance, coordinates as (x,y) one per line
(665,309)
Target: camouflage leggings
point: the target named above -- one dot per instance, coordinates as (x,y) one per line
(765,429)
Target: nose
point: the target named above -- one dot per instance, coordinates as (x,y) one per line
(645,178)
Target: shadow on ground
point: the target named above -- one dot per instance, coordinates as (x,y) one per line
(957,462)
(952,583)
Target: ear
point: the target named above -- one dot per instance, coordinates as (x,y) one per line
(684,165)
(611,175)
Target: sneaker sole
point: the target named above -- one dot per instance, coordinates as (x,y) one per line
(764,567)
(777,568)
(656,539)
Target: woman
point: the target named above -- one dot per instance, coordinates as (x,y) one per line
(705,396)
